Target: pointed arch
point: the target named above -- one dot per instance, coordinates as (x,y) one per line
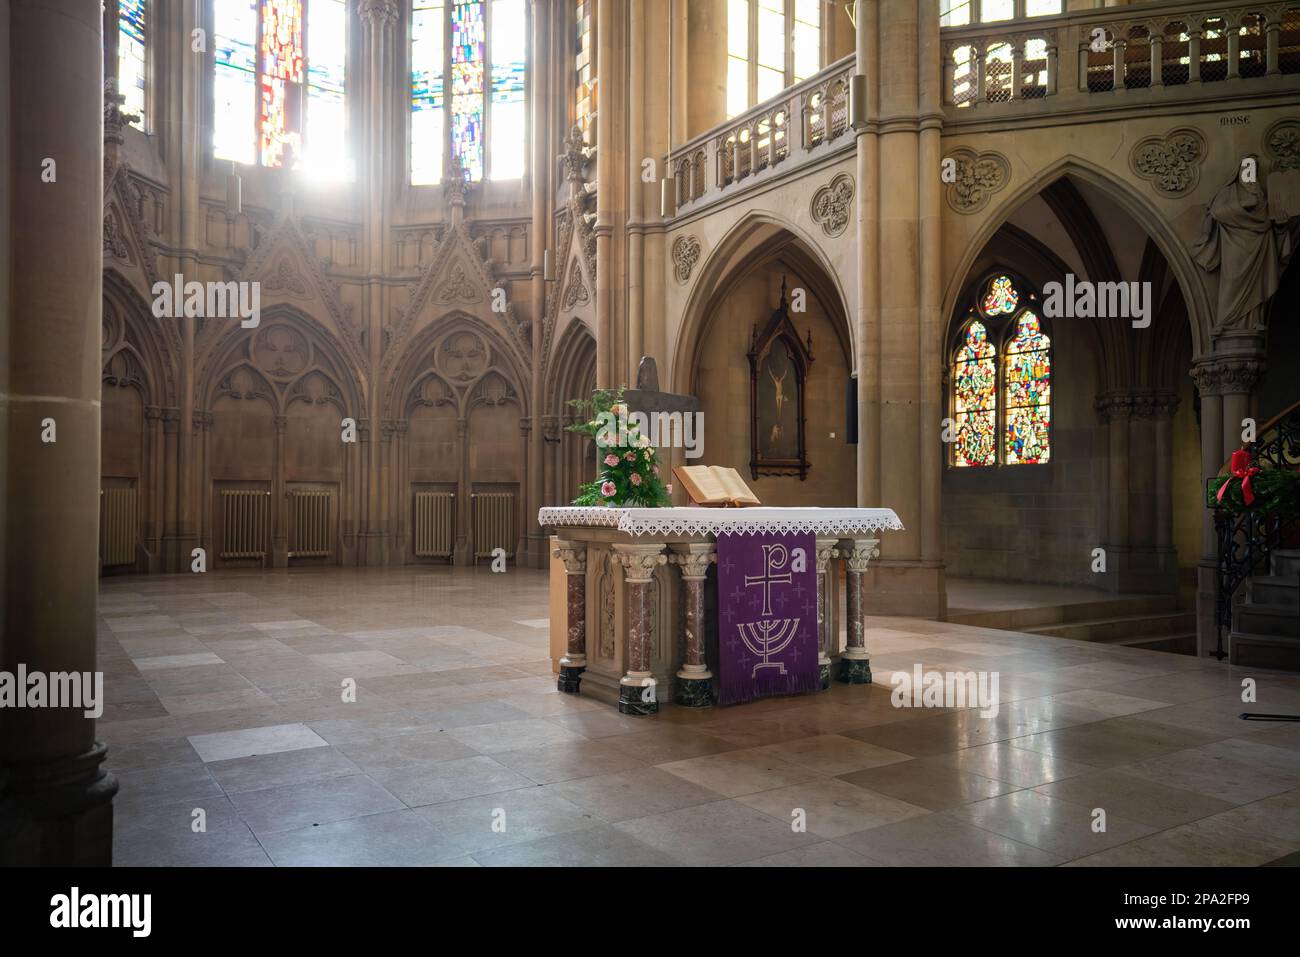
(129,324)
(1126,196)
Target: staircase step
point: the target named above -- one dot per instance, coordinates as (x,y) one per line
(1120,629)
(1266,619)
(1264,651)
(1275,590)
(1286,562)
(1042,616)
(1183,643)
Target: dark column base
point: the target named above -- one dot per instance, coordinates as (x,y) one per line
(694,692)
(630,702)
(569,679)
(58,814)
(854,671)
(826,676)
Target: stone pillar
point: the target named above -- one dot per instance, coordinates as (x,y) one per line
(637,693)
(827,633)
(1165,407)
(574,661)
(694,680)
(1208,387)
(55,798)
(855,663)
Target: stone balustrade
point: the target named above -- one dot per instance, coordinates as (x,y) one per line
(1100,53)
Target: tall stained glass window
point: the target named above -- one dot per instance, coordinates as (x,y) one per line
(584,64)
(131,57)
(279,84)
(1028,373)
(975,399)
(1002,410)
(479,116)
(771,44)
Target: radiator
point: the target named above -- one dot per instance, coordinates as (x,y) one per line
(435,524)
(119,526)
(311,531)
(494,523)
(244,524)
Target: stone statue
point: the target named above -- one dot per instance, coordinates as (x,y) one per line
(1247,248)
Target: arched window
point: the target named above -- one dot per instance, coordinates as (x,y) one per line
(1001,407)
(958,13)
(479,116)
(279,83)
(771,44)
(126,55)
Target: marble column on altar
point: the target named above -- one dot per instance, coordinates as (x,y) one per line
(637,692)
(694,680)
(855,663)
(574,661)
(827,633)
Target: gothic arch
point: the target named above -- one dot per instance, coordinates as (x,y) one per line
(131,332)
(1127,198)
(572,368)
(756,239)
(285,350)
(460,365)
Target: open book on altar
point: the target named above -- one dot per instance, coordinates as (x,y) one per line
(715,486)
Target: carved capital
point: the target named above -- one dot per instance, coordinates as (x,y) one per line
(825,552)
(694,560)
(380,13)
(858,552)
(574,556)
(1228,375)
(639,561)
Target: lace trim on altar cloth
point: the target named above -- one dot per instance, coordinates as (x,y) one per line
(840,522)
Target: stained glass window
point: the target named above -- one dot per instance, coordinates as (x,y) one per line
(1002,410)
(478,113)
(584,62)
(1028,391)
(975,399)
(279,84)
(131,52)
(771,44)
(1001,298)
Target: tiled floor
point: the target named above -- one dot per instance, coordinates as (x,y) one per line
(228,730)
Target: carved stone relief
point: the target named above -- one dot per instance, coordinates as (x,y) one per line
(1170,163)
(977,177)
(832,205)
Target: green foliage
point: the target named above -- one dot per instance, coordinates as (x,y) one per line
(629,472)
(1274,490)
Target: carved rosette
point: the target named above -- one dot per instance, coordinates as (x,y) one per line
(1171,163)
(1282,142)
(832,205)
(686,253)
(977,177)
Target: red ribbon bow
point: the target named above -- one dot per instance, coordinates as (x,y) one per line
(1241,468)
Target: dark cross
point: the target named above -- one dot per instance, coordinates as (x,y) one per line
(768,579)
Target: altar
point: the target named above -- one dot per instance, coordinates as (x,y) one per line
(641,605)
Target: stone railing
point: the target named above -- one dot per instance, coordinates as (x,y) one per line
(1103,52)
(800,124)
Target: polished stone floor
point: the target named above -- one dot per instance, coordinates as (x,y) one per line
(228,732)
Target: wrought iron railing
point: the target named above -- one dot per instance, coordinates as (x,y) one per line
(1247,539)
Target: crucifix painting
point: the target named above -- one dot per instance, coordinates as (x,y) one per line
(779,362)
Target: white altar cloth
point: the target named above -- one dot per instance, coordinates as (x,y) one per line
(827,522)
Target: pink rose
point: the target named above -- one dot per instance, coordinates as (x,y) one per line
(608,489)
(636,478)
(631,456)
(611,459)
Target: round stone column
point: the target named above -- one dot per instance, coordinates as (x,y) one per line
(827,633)
(694,680)
(855,663)
(55,799)
(637,693)
(574,661)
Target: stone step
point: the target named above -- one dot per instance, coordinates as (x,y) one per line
(1286,562)
(1029,619)
(1121,629)
(1265,619)
(1275,590)
(1183,643)
(1264,651)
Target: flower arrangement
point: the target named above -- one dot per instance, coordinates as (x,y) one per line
(1248,487)
(629,465)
